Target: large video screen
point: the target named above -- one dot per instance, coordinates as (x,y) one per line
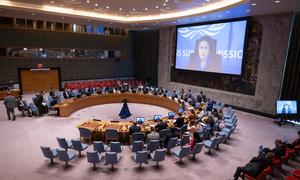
(286,107)
(216,48)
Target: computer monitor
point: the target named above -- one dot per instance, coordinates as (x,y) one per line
(171,115)
(157,117)
(180,111)
(140,120)
(286,107)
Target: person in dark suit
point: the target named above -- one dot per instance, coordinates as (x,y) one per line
(255,166)
(134,128)
(279,149)
(286,109)
(42,107)
(10,104)
(170,135)
(54,96)
(204,57)
(68,94)
(160,126)
(23,106)
(179,121)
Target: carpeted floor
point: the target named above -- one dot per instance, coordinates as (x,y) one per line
(21,157)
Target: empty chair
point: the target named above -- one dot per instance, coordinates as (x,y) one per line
(211,144)
(93,157)
(115,147)
(85,134)
(153,145)
(63,143)
(182,152)
(222,138)
(99,146)
(79,146)
(137,146)
(49,153)
(197,149)
(163,133)
(185,140)
(172,143)
(112,158)
(158,155)
(140,157)
(66,156)
(138,136)
(111,135)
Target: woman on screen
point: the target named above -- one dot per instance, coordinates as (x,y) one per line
(204,57)
(286,109)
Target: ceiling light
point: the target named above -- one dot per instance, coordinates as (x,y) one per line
(52,2)
(164,4)
(253,4)
(146,9)
(133,9)
(107,7)
(87,1)
(96,4)
(120,9)
(277,1)
(156,7)
(33,14)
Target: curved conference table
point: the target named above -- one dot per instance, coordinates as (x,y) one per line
(68,106)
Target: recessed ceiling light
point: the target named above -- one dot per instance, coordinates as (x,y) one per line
(107,7)
(120,9)
(277,1)
(52,2)
(87,1)
(96,4)
(156,7)
(164,4)
(253,4)
(33,14)
(146,9)
(133,9)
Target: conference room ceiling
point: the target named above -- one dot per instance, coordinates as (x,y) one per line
(139,14)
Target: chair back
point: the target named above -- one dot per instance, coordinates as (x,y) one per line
(159,155)
(111,158)
(163,133)
(62,155)
(137,146)
(214,142)
(183,129)
(111,134)
(185,140)
(93,157)
(32,107)
(85,133)
(47,152)
(99,146)
(115,147)
(141,157)
(197,148)
(172,143)
(138,136)
(153,145)
(76,144)
(62,143)
(184,151)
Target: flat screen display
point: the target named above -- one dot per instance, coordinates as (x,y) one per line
(216,48)
(171,114)
(157,117)
(286,107)
(140,120)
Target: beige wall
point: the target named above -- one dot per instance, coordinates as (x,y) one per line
(276,30)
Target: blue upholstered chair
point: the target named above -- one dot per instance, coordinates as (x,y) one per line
(111,135)
(34,109)
(65,156)
(163,133)
(140,157)
(63,143)
(137,146)
(115,147)
(85,134)
(158,155)
(78,146)
(211,144)
(184,140)
(172,143)
(112,158)
(49,153)
(182,152)
(93,157)
(138,136)
(153,145)
(197,149)
(99,146)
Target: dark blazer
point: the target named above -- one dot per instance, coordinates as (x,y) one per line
(278,151)
(213,63)
(257,165)
(134,129)
(160,126)
(179,122)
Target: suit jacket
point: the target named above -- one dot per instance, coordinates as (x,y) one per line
(9,102)
(179,122)
(278,151)
(134,129)
(160,126)
(66,94)
(212,63)
(257,165)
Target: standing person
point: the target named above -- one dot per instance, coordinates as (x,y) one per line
(10,104)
